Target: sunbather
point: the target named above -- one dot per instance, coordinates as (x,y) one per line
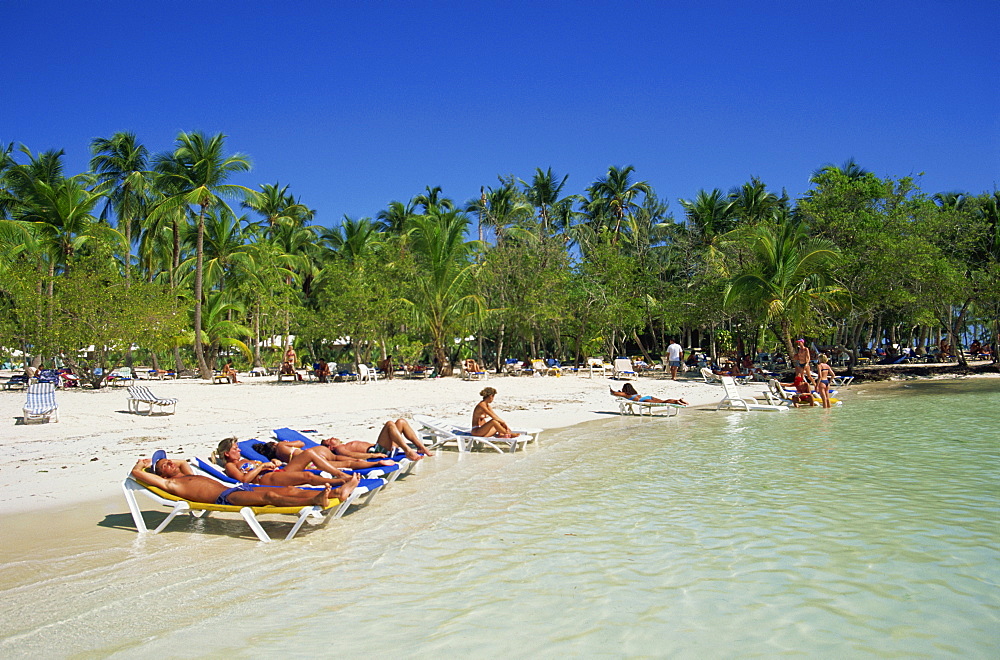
(630,393)
(299,457)
(393,434)
(485,422)
(803,392)
(178,479)
(273,473)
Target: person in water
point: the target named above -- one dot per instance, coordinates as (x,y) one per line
(394,434)
(824,376)
(178,479)
(485,422)
(272,473)
(629,392)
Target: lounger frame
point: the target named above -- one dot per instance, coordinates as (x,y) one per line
(131,486)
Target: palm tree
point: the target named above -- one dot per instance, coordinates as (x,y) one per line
(500,208)
(752,203)
(432,199)
(277,206)
(395,217)
(353,239)
(789,279)
(122,176)
(543,193)
(441,299)
(849,169)
(197,170)
(617,193)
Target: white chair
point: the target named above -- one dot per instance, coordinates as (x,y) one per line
(622,368)
(137,395)
(709,377)
(366,374)
(594,366)
(733,400)
(41,404)
(628,407)
(439,433)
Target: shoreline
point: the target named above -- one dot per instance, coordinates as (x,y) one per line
(84,456)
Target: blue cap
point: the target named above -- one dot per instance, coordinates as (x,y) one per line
(158,456)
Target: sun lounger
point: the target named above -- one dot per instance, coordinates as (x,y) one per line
(440,432)
(623,368)
(387,472)
(41,403)
(130,487)
(709,377)
(628,407)
(367,488)
(18,380)
(139,394)
(734,401)
(291,435)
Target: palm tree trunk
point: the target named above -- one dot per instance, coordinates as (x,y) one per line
(199,351)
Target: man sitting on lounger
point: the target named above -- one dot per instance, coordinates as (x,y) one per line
(630,393)
(393,434)
(178,479)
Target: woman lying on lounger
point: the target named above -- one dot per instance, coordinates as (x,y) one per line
(485,422)
(177,478)
(273,473)
(299,457)
(629,392)
(393,435)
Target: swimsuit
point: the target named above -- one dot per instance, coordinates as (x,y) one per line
(376,449)
(644,398)
(224,495)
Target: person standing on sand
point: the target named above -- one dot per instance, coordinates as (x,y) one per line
(485,422)
(178,479)
(674,352)
(291,357)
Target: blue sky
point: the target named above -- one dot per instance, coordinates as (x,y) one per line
(357,104)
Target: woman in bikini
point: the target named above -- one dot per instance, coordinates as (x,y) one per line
(272,473)
(485,422)
(824,376)
(629,392)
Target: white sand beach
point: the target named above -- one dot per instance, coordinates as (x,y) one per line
(89,451)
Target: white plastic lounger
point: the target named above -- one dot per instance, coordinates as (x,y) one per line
(623,369)
(440,432)
(628,407)
(367,488)
(41,405)
(139,394)
(130,487)
(734,401)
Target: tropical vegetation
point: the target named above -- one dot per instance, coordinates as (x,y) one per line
(161,258)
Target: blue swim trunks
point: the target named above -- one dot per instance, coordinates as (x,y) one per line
(224,495)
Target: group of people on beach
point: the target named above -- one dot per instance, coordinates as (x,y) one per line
(291,465)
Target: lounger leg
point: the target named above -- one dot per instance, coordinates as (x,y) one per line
(133,507)
(248,515)
(178,508)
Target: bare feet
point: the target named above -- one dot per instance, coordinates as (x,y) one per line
(322,498)
(344,491)
(412,455)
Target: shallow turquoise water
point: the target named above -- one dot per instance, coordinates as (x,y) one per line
(872,529)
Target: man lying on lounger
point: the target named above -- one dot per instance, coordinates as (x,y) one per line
(178,479)
(629,392)
(393,435)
